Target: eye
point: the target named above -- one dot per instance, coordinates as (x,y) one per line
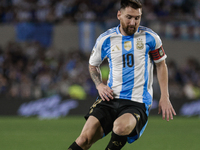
(128,17)
(137,18)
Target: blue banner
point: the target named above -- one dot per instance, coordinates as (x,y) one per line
(86,36)
(40,32)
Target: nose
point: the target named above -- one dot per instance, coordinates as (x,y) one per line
(133,22)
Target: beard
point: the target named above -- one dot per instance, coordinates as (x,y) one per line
(129,30)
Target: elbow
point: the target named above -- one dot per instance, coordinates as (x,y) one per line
(161,64)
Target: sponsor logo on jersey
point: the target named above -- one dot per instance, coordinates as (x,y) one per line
(116,48)
(116,143)
(137,116)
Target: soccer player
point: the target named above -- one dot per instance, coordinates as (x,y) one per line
(123,104)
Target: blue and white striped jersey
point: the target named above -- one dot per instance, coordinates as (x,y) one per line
(131,66)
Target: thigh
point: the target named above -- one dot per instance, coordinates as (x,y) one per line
(124,124)
(140,117)
(104,111)
(92,129)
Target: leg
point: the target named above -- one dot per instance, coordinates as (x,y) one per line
(92,131)
(123,126)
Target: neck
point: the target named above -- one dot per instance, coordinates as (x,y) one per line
(122,31)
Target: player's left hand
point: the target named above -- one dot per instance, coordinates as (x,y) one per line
(166,108)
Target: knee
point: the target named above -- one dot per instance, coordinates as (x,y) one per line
(84,141)
(120,128)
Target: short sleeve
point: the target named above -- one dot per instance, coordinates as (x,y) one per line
(95,57)
(157,52)
(99,52)
(158,55)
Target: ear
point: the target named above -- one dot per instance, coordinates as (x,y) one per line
(119,15)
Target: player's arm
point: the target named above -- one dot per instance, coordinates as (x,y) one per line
(104,91)
(95,74)
(165,105)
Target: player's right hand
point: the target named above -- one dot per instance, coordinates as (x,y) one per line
(105,92)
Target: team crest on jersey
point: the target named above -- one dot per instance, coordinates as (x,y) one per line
(127,45)
(139,44)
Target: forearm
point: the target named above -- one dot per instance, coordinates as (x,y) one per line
(162,74)
(95,74)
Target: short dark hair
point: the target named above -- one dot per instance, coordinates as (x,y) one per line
(132,3)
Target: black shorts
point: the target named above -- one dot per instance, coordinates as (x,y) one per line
(108,111)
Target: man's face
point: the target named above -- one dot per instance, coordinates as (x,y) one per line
(129,20)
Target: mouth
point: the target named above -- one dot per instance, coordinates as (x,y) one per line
(131,27)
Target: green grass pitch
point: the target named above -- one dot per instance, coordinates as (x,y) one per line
(18,133)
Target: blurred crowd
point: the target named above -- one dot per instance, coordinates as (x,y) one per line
(31,71)
(184,79)
(93,10)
